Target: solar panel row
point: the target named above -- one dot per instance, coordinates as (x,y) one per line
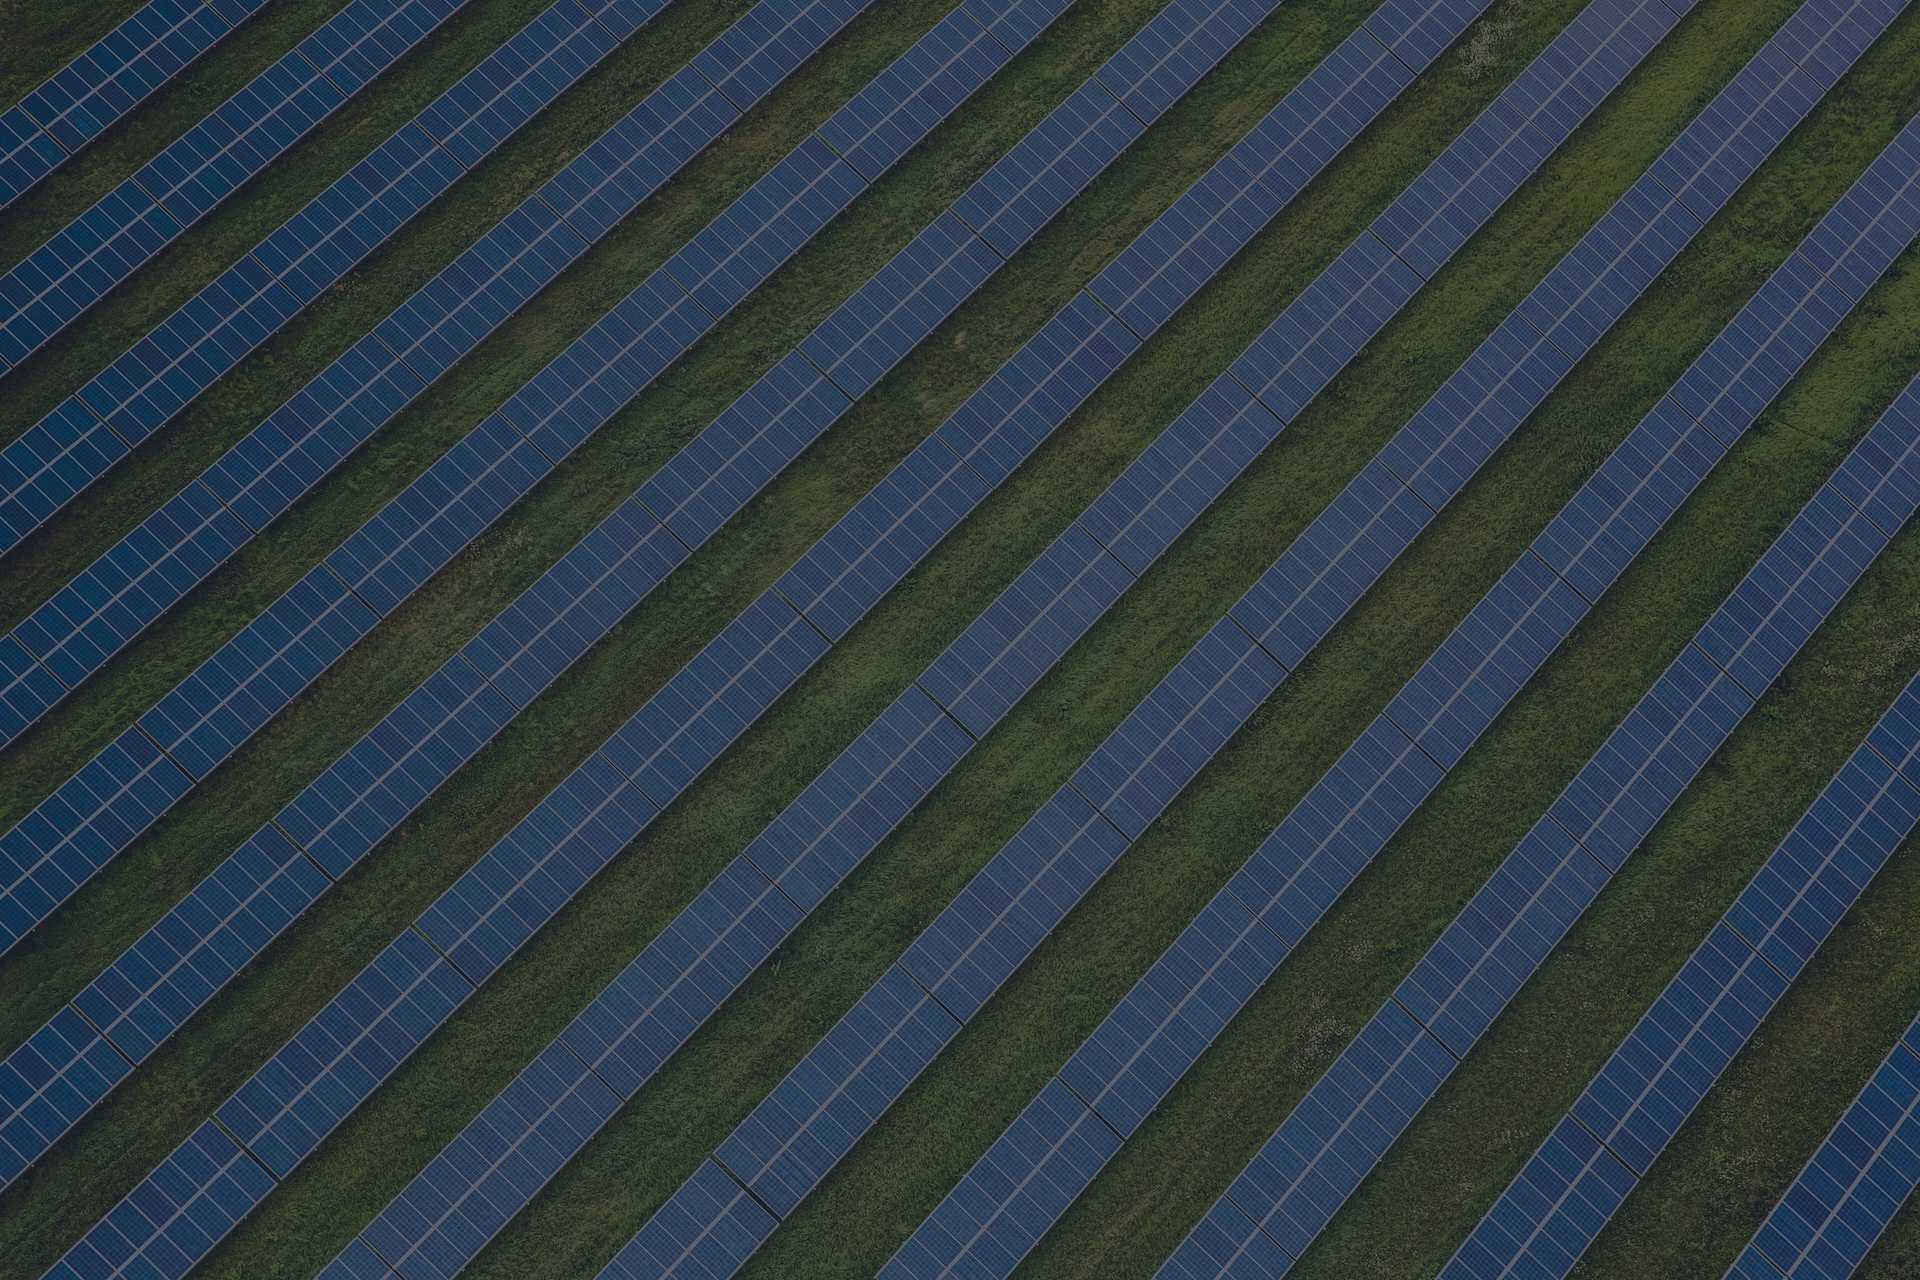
(83,99)
(1399,1060)
(1595,1156)
(817,1114)
(255,894)
(97,813)
(1857,1180)
(71,636)
(50,287)
(1026,1180)
(98,425)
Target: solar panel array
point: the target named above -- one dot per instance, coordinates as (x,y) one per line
(50,287)
(1399,1060)
(86,97)
(682,730)
(1018,1189)
(97,813)
(1856,1181)
(839,1090)
(71,636)
(178,965)
(98,425)
(1595,1156)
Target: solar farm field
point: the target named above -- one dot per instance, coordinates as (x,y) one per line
(1074,638)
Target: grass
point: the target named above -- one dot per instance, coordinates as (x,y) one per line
(1183,1157)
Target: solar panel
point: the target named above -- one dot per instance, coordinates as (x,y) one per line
(787,1144)
(114,75)
(1052,1149)
(710,1227)
(1863,1171)
(197,171)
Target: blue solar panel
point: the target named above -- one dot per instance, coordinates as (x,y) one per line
(1501,936)
(869,789)
(665,993)
(1799,894)
(1333,562)
(1028,627)
(171,192)
(461,1200)
(1556,1206)
(113,76)
(1485,661)
(922,87)
(709,702)
(871,548)
(1178,727)
(1162,1026)
(52,1079)
(1303,1174)
(1000,425)
(1009,1199)
(1678,1049)
(813,1117)
(712,477)
(710,1227)
(172,1220)
(1326,326)
(340,816)
(179,963)
(1331,835)
(1215,218)
(1050,165)
(900,304)
(1178,45)
(1645,763)
(1188,465)
(767,44)
(735,253)
(1010,905)
(284,1109)
(536,868)
(1418,31)
(1226,1243)
(1862,1173)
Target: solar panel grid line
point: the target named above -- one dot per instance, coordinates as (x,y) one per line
(450,484)
(47,290)
(1699,699)
(1042,15)
(1410,743)
(1857,1179)
(61,116)
(1647,1088)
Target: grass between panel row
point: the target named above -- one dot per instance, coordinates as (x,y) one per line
(157,1107)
